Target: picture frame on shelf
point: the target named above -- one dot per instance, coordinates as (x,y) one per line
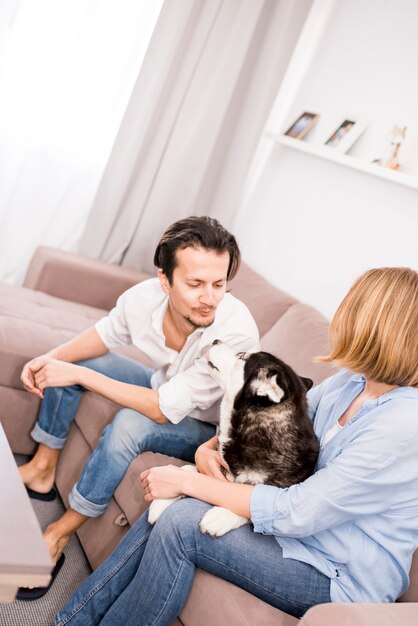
(302,125)
(346,134)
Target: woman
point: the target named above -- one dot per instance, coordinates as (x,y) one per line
(346,534)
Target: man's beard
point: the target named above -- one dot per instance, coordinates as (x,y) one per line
(199,325)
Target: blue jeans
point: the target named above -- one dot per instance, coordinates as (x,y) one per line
(148,578)
(127,436)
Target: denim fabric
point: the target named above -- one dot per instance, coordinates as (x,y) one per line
(148,578)
(129,434)
(60,404)
(122,441)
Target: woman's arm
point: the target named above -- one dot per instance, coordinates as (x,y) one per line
(364,479)
(170,481)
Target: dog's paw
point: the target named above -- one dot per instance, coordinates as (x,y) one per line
(189,468)
(218,521)
(157,508)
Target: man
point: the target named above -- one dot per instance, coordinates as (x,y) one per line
(172,410)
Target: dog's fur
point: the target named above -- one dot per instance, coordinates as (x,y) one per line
(265,434)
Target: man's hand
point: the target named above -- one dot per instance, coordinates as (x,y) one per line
(208,460)
(55,373)
(28,374)
(163,482)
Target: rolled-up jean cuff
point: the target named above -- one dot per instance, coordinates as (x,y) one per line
(41,436)
(85,507)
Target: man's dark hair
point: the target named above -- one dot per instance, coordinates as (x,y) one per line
(198,232)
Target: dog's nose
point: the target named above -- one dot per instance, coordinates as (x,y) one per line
(215,342)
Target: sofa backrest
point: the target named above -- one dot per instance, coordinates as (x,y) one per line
(266,303)
(294,332)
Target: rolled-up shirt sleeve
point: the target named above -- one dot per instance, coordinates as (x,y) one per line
(186,391)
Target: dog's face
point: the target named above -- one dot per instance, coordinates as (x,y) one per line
(254,374)
(227,366)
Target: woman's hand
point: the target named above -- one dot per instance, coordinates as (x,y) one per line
(208,460)
(55,373)
(163,482)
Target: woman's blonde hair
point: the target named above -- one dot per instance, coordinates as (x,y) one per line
(375,328)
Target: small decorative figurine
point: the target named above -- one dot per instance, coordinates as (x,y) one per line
(391,161)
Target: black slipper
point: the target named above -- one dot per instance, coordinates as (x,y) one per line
(37,495)
(26,594)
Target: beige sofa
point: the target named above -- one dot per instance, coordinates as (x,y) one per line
(64,293)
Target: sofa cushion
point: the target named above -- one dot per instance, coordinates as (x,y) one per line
(18,411)
(78,278)
(32,323)
(297,337)
(214,602)
(411,595)
(266,303)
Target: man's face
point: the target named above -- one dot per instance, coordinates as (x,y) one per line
(199,284)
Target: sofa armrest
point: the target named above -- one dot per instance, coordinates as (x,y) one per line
(400,614)
(79,278)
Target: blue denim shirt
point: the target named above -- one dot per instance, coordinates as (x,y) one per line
(356,518)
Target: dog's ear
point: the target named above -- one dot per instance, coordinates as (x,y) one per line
(307,382)
(265,385)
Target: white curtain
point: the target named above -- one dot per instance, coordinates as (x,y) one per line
(67,69)
(206,87)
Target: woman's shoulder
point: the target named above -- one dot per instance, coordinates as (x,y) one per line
(340,379)
(400,404)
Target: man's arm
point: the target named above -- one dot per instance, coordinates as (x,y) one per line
(86,345)
(56,373)
(141,399)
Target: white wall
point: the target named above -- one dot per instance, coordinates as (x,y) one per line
(312,225)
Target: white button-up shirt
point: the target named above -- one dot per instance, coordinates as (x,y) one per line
(184,384)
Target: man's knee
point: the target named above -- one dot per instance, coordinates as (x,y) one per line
(130,430)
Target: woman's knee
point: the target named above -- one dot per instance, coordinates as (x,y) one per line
(182,516)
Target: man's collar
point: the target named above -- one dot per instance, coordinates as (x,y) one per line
(157,318)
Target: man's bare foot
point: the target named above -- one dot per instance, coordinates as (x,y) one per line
(36,479)
(59,533)
(39,473)
(55,540)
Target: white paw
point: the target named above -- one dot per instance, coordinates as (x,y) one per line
(218,521)
(189,468)
(157,508)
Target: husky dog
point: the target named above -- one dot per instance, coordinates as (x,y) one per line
(265,434)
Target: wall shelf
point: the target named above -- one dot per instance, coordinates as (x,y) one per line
(325,152)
